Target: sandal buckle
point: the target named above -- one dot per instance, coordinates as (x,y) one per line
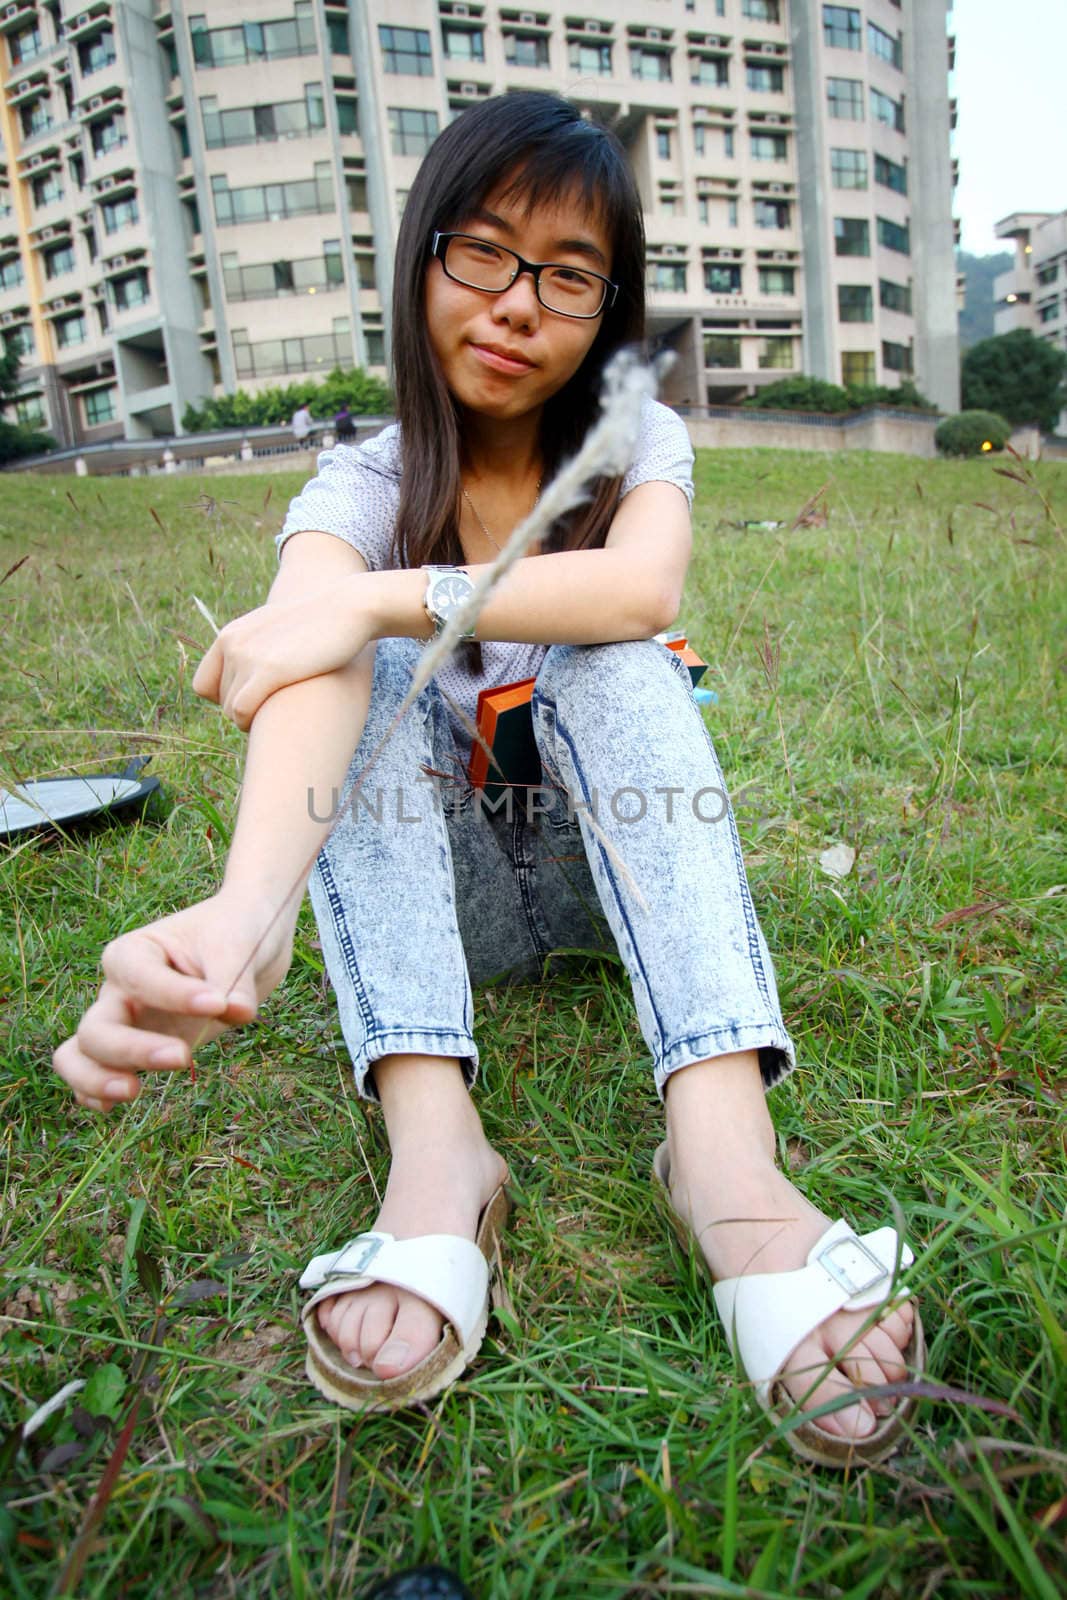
(856,1268)
(346,1265)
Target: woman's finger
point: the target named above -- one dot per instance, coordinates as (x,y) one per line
(144,971)
(205,678)
(91,1081)
(106,1037)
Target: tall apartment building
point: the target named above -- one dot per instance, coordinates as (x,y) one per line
(1033,294)
(199,196)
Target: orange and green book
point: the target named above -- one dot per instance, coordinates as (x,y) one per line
(505,722)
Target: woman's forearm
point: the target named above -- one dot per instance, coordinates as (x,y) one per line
(568,597)
(300,747)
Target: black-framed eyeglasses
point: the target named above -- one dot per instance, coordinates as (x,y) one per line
(481,264)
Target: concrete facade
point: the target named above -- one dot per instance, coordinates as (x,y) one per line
(251,159)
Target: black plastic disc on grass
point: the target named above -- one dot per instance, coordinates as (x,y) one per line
(50,806)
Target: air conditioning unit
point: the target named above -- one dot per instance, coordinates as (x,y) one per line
(772,116)
(47,233)
(779,255)
(11,11)
(118,261)
(529,17)
(96,101)
(468,89)
(593,26)
(653,33)
(35,161)
(776,188)
(460,9)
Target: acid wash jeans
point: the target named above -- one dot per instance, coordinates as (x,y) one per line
(423,888)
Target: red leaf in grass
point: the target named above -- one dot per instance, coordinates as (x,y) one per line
(154,514)
(15,568)
(1006,472)
(79,1550)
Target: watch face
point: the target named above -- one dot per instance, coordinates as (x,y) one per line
(450,592)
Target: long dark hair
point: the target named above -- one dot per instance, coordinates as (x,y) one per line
(546,144)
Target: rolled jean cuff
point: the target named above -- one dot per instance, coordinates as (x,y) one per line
(777,1055)
(410,1041)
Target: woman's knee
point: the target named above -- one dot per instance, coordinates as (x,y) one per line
(595,668)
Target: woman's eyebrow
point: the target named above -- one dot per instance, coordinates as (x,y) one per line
(580,246)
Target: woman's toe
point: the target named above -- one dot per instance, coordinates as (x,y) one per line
(805,1365)
(377,1322)
(415,1332)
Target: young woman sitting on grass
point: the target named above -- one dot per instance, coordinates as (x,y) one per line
(519,273)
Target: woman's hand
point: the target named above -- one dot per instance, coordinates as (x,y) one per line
(169,988)
(282,643)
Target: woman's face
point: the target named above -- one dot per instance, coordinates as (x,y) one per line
(466,325)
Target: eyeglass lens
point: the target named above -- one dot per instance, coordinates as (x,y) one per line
(486,266)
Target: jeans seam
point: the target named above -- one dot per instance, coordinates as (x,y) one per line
(344,940)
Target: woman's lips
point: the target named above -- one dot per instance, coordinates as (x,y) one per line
(501,363)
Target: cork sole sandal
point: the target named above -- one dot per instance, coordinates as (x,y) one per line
(450,1273)
(768,1314)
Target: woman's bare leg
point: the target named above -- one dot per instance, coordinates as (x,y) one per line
(722,1158)
(442,1173)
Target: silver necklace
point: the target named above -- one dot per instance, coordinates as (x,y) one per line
(478,519)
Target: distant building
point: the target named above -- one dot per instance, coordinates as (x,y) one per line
(196,200)
(1034,293)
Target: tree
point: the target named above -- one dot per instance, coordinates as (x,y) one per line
(15,438)
(1018,375)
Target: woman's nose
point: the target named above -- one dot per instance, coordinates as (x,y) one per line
(519,299)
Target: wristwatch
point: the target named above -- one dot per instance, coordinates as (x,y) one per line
(446,591)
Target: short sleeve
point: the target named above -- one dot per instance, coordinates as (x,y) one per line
(663,452)
(351,499)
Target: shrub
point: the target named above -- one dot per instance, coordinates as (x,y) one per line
(1020,374)
(967,432)
(905,395)
(366,396)
(16,439)
(800,394)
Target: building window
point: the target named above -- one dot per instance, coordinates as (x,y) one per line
(848,169)
(347,115)
(11,275)
(857,368)
(1049,274)
(728,142)
(130,290)
(101,405)
(412,132)
(772,213)
(852,236)
(663,143)
(1050,312)
(653,65)
(287,119)
(884,45)
(732,214)
(313,352)
(722,350)
(777,280)
(375,342)
(36,117)
(254,41)
(776,353)
(764,80)
(270,280)
(30,412)
(855,302)
(885,109)
(897,357)
(116,214)
(894,296)
(19,341)
(894,236)
(700,140)
(463,44)
(70,330)
(337,28)
(406,50)
(844,98)
(25,46)
(703,216)
(713,70)
(591,60)
(667,275)
(768,146)
(525,49)
(760,10)
(95,54)
(271,202)
(58,261)
(842,28)
(108,134)
(720,279)
(47,189)
(891,174)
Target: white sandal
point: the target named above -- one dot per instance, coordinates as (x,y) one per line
(768,1314)
(448,1272)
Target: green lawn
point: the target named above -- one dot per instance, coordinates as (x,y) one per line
(890,678)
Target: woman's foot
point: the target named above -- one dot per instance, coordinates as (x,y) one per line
(749,1218)
(442,1176)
